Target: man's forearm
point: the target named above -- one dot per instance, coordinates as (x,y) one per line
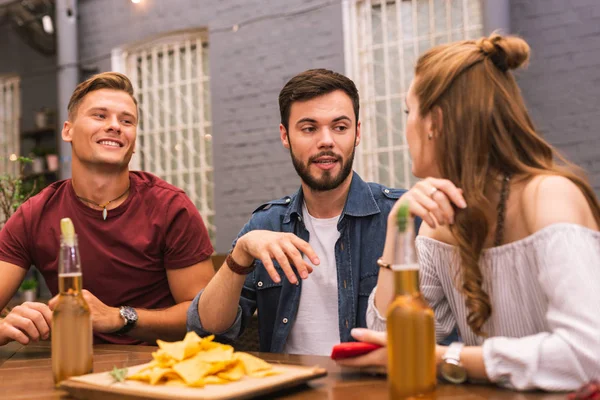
(219,302)
(168,324)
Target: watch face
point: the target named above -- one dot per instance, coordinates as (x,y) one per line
(129,314)
(453,372)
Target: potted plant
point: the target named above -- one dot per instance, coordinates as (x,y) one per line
(28,289)
(12,191)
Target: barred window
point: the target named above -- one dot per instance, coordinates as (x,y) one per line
(10,115)
(385,39)
(171,81)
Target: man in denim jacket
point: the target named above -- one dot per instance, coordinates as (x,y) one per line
(306,262)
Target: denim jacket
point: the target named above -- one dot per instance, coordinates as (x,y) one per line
(362,227)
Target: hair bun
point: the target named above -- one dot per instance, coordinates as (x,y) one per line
(506,52)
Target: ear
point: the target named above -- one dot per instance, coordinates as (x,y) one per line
(358,134)
(436,121)
(66,133)
(284,136)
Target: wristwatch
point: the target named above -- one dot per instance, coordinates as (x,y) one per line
(130,318)
(451,368)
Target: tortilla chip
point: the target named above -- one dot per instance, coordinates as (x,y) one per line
(157,373)
(143,376)
(214,380)
(252,364)
(181,350)
(196,362)
(235,372)
(221,353)
(175,382)
(192,370)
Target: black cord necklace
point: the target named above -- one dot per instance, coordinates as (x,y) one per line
(103,206)
(504,192)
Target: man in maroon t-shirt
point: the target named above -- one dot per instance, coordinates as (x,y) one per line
(145,252)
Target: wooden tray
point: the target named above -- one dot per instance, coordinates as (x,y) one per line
(102,386)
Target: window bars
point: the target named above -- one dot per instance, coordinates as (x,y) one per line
(385,39)
(171,82)
(10,115)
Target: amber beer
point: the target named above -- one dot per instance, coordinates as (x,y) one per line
(410,322)
(72,338)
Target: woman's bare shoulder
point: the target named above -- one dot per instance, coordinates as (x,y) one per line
(552,199)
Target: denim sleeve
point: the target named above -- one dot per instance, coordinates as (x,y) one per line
(194,323)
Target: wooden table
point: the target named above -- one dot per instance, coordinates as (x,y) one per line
(25,373)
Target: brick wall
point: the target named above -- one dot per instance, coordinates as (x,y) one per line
(561,85)
(37,72)
(276,39)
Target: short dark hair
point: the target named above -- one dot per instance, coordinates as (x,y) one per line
(314,83)
(104,80)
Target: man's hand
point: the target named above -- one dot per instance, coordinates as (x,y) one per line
(286,248)
(25,323)
(105,319)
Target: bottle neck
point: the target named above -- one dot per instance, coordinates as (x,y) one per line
(406,265)
(406,282)
(69,261)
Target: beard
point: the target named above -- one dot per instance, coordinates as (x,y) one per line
(328,181)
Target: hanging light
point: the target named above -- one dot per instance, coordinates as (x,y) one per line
(47,24)
(136,1)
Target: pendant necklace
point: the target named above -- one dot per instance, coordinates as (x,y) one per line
(103,206)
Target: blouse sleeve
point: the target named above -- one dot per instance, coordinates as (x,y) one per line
(375,320)
(567,356)
(433,291)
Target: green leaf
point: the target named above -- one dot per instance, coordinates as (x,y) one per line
(118,374)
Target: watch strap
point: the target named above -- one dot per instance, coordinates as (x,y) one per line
(453,352)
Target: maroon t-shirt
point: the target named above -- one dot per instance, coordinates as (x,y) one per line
(123,258)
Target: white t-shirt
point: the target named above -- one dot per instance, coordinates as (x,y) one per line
(316,327)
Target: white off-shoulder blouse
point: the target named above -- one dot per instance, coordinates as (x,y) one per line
(544,331)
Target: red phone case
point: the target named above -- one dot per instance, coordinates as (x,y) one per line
(352,349)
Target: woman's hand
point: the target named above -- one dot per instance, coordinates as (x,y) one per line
(431,199)
(376,358)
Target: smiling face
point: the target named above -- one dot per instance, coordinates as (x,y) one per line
(102,130)
(322,136)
